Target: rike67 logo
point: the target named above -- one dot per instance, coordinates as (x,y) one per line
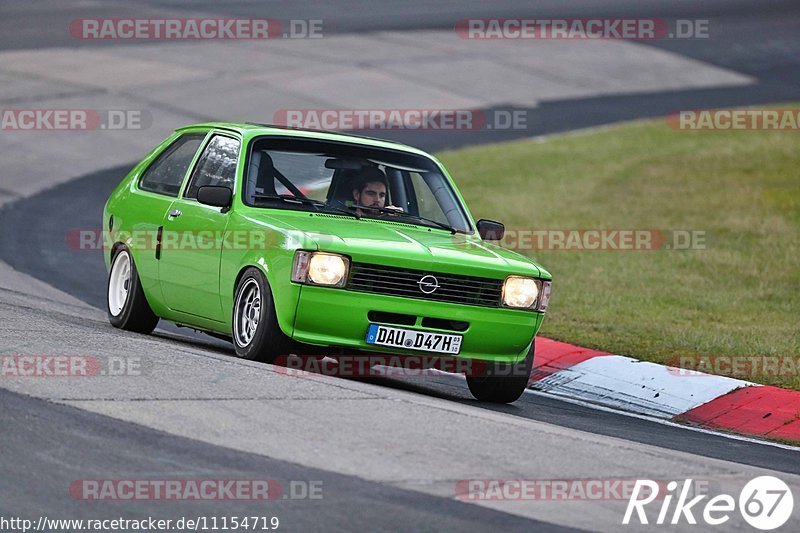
(765,503)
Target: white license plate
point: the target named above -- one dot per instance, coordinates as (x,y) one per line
(409,339)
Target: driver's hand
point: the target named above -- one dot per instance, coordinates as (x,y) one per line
(395,208)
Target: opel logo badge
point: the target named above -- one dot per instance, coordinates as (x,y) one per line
(428,284)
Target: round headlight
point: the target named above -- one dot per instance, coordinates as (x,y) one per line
(519,292)
(326,269)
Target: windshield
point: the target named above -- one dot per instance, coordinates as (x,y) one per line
(343,178)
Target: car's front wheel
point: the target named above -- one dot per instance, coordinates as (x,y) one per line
(256,333)
(127,306)
(502,383)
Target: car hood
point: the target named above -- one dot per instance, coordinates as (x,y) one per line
(392,243)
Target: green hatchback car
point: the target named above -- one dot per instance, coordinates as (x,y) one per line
(309,242)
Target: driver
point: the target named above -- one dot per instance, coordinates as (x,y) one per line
(370,191)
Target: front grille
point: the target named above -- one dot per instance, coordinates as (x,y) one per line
(391,281)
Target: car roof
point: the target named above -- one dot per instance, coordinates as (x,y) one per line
(253,129)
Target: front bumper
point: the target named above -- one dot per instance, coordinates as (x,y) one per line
(338,318)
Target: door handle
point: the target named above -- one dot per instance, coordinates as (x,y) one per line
(175,213)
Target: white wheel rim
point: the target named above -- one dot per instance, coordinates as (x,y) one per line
(119,283)
(247,312)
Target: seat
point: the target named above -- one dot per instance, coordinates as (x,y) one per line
(260,175)
(342,192)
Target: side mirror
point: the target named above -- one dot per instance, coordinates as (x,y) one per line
(215,196)
(489,230)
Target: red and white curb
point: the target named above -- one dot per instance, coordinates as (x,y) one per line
(626,384)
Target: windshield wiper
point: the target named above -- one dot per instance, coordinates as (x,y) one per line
(306,201)
(401,213)
(442,225)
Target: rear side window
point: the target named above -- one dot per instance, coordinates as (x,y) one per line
(165,175)
(217,165)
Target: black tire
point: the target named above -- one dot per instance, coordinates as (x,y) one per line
(502,383)
(265,342)
(134,314)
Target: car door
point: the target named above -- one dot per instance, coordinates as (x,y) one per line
(193,234)
(156,188)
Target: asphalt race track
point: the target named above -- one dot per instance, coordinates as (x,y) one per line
(388,452)
(87,266)
(71,437)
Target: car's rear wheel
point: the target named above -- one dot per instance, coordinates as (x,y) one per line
(256,333)
(502,383)
(127,306)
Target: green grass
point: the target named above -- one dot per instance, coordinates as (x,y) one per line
(740,296)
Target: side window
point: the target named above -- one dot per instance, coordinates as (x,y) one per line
(426,200)
(217,165)
(165,174)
